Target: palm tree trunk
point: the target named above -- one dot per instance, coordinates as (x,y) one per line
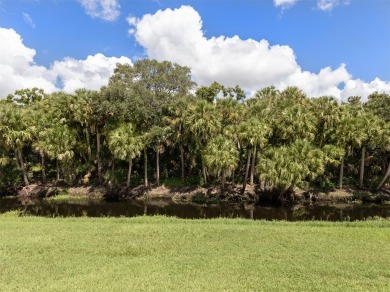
(58,170)
(223,183)
(113,166)
(43,167)
(99,163)
(88,143)
(341,175)
(248,162)
(146,168)
(204,172)
(182,163)
(19,153)
(158,165)
(361,175)
(385,177)
(129,174)
(253,165)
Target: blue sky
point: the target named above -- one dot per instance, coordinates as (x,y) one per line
(326,47)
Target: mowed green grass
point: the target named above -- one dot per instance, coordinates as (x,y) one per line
(169,254)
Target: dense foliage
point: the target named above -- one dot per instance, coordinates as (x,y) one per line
(151,123)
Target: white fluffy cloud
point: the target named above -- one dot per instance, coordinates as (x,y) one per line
(91,73)
(18,69)
(176,35)
(361,88)
(104,9)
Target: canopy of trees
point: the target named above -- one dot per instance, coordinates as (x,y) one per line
(151,121)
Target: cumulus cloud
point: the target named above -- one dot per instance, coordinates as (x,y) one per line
(107,10)
(176,35)
(91,73)
(361,88)
(18,69)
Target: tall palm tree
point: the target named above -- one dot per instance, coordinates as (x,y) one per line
(252,133)
(347,136)
(59,143)
(158,135)
(177,135)
(15,132)
(328,113)
(126,144)
(221,158)
(370,128)
(203,122)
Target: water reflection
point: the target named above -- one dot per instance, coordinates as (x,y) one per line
(93,208)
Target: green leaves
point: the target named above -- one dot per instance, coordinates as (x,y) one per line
(221,156)
(290,165)
(152,105)
(125,143)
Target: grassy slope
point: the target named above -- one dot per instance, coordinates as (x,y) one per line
(157,253)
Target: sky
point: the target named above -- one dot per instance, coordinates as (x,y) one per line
(325,47)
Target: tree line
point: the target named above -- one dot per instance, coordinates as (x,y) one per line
(151,123)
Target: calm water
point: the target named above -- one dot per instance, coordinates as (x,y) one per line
(91,208)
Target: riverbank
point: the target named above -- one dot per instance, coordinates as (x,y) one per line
(168,254)
(197,194)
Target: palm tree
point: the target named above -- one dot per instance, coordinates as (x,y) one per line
(328,113)
(59,143)
(158,136)
(42,120)
(203,122)
(126,144)
(370,128)
(385,177)
(347,136)
(231,111)
(252,133)
(176,133)
(221,158)
(290,165)
(15,132)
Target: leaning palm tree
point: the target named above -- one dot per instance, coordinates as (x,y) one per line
(126,144)
(221,158)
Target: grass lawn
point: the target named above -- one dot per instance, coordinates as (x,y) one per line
(169,254)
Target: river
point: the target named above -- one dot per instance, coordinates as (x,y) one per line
(131,208)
